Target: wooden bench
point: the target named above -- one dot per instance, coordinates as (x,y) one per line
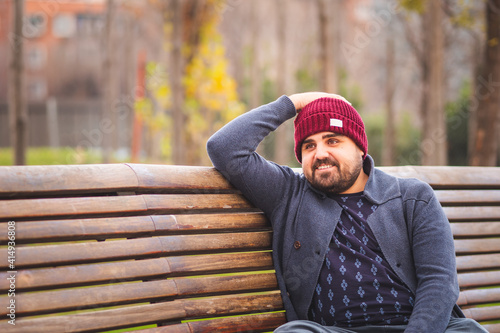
(177,249)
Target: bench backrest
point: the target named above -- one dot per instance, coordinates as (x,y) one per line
(112,246)
(101,247)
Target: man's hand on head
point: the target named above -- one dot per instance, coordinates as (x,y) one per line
(302,99)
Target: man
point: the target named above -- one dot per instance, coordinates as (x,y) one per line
(355,249)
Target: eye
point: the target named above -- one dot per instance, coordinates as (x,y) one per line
(308,146)
(332,141)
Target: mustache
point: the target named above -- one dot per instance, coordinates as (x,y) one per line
(329,161)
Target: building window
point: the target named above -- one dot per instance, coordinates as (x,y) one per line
(36,57)
(37,89)
(34,25)
(89,24)
(64,26)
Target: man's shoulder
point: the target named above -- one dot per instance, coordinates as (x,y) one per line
(410,188)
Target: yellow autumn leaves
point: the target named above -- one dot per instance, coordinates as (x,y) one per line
(209,93)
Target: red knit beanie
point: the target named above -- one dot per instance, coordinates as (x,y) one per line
(329,115)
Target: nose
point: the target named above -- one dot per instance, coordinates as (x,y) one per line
(321,151)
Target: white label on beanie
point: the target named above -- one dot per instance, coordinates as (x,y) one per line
(336,122)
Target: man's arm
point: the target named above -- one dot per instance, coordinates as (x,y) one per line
(434,258)
(233,150)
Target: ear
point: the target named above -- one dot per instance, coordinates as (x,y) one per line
(361,152)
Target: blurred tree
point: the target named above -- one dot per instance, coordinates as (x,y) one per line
(434,141)
(456,112)
(351,91)
(210,92)
(176,72)
(467,16)
(17,103)
(408,141)
(282,151)
(389,150)
(430,53)
(195,86)
(204,96)
(329,26)
(485,132)
(255,72)
(151,107)
(109,83)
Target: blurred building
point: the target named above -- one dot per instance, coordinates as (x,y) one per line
(64,48)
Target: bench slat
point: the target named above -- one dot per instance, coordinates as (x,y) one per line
(24,209)
(80,229)
(492,328)
(174,178)
(482,261)
(479,296)
(113,205)
(226,283)
(188,222)
(65,179)
(132,226)
(475,213)
(486,245)
(186,203)
(449,177)
(85,252)
(483,313)
(71,276)
(82,298)
(18,181)
(136,248)
(471,229)
(479,279)
(254,323)
(215,263)
(468,197)
(147,314)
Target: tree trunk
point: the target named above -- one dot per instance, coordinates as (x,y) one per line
(255,70)
(485,142)
(434,140)
(17,102)
(474,101)
(176,70)
(137,121)
(328,74)
(108,83)
(388,150)
(282,151)
(255,98)
(125,111)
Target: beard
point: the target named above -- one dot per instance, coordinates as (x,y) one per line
(335,181)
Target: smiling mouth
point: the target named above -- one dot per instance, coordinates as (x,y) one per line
(323,167)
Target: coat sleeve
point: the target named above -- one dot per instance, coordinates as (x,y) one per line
(233,153)
(434,258)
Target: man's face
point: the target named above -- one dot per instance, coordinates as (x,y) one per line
(331,162)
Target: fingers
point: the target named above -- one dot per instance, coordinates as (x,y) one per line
(302,99)
(342,98)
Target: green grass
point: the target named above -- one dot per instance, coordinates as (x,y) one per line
(50,156)
(132,329)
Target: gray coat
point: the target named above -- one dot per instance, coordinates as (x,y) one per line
(409,223)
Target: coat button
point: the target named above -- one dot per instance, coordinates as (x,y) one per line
(296,245)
